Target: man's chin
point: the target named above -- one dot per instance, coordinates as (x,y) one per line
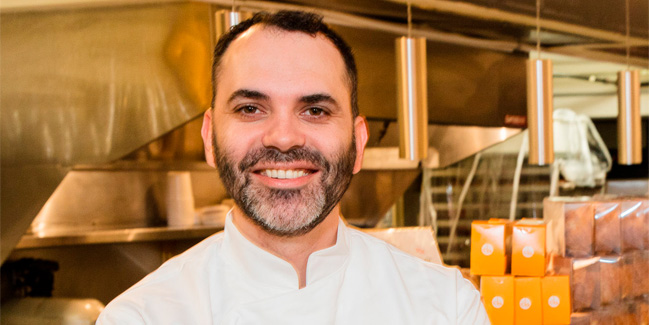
(287,232)
(287,221)
(282,212)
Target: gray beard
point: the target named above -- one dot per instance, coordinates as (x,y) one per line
(292,212)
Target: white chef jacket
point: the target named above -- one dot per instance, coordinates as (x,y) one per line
(226,279)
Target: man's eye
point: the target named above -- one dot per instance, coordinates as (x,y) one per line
(248,109)
(315,111)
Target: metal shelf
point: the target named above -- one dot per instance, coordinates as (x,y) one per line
(112,236)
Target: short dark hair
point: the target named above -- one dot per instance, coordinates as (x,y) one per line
(292,21)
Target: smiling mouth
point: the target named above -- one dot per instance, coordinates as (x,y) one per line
(285,173)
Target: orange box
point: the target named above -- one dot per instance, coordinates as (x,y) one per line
(528,300)
(488,248)
(556,300)
(529,247)
(498,294)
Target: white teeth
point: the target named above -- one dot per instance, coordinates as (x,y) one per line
(284,174)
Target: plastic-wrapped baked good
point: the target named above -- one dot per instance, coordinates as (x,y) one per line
(559,265)
(603,316)
(626,315)
(640,273)
(585,283)
(607,228)
(634,274)
(641,311)
(627,275)
(610,285)
(618,314)
(633,226)
(644,214)
(581,319)
(570,226)
(579,229)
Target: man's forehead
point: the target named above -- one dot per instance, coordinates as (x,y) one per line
(268,50)
(260,39)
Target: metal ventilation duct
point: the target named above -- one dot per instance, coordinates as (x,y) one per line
(85,86)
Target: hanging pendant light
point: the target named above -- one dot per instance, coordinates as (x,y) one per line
(629,118)
(539,81)
(540,111)
(412,95)
(629,107)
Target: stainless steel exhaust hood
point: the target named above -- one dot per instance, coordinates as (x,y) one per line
(86,86)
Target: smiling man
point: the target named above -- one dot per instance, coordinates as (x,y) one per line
(285,135)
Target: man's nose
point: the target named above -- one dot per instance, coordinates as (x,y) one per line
(284,133)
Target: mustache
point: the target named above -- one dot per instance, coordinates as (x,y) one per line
(272,155)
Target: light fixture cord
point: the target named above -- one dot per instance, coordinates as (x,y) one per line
(233,5)
(408,18)
(538,6)
(627,33)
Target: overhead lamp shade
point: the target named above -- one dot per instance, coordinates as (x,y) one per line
(629,118)
(539,75)
(224,20)
(412,97)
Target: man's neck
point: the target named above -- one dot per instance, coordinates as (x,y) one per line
(295,250)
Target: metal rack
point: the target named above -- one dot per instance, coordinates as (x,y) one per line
(488,197)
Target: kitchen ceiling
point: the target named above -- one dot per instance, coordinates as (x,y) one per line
(592,29)
(588,28)
(584,38)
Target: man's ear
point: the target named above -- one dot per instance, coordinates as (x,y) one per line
(206,134)
(361,138)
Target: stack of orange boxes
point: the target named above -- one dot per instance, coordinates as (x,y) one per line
(524,295)
(488,258)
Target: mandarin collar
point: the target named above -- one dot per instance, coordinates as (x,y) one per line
(266,270)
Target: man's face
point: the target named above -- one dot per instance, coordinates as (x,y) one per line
(282,131)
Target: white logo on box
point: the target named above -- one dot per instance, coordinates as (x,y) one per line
(528,252)
(525,303)
(553,301)
(497,302)
(487,249)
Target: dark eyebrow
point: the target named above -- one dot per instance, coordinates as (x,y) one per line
(247,93)
(317,98)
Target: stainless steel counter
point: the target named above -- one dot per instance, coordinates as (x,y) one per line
(113,236)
